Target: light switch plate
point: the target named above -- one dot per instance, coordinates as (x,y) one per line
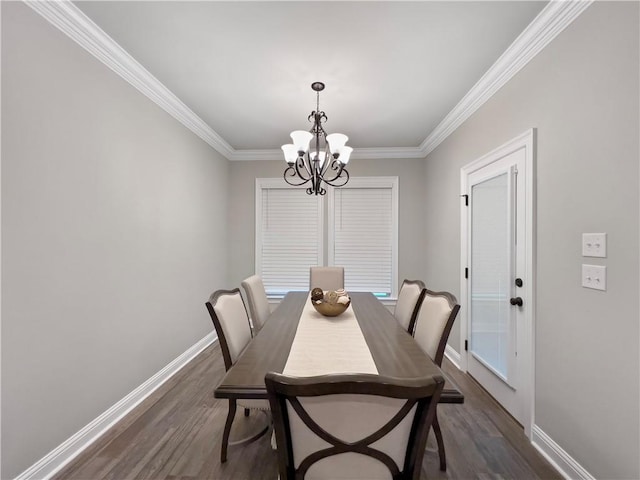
(594,245)
(594,276)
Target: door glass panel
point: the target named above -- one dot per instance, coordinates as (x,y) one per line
(490,273)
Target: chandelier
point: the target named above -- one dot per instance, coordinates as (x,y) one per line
(325,163)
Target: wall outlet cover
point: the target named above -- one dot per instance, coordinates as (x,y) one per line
(594,276)
(594,245)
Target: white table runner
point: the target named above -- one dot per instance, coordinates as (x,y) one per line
(328,345)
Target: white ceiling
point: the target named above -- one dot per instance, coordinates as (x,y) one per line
(393,70)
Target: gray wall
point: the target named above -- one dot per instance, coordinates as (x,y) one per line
(411,255)
(582,95)
(113,237)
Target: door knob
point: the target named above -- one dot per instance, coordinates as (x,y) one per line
(516,301)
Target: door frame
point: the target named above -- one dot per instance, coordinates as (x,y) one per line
(526,141)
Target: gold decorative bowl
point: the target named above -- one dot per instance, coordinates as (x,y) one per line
(329,309)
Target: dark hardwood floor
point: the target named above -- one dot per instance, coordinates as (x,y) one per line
(175,435)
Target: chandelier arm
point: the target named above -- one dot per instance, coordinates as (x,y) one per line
(339,180)
(290,173)
(336,166)
(329,161)
(300,162)
(295,171)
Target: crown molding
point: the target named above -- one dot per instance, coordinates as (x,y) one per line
(76,25)
(553,19)
(241,155)
(358,154)
(387,153)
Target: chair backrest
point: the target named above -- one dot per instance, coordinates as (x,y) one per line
(259,309)
(351,426)
(231,322)
(434,321)
(408,303)
(326,278)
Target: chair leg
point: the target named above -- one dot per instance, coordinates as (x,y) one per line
(440,442)
(227,429)
(246,412)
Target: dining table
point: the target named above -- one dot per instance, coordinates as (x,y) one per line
(389,349)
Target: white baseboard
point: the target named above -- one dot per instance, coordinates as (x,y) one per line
(452,355)
(51,463)
(557,457)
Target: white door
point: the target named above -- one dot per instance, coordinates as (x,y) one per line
(498,279)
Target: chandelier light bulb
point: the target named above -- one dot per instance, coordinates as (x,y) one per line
(336,141)
(320,156)
(345,154)
(290,153)
(301,139)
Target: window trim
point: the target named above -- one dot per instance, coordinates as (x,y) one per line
(368,182)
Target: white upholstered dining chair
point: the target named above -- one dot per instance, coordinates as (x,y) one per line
(231,322)
(432,327)
(326,278)
(408,303)
(351,425)
(259,309)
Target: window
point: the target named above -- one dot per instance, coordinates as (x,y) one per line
(361,233)
(288,235)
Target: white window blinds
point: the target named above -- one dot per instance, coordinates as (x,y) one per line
(288,236)
(363,234)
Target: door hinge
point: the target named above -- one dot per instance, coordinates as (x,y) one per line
(466,272)
(466,345)
(466,199)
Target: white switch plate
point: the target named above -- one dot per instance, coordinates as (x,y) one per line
(594,276)
(594,245)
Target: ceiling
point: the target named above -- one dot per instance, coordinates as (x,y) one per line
(393,70)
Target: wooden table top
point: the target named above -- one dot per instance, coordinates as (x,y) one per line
(394,351)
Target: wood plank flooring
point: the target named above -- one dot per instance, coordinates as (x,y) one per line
(175,434)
